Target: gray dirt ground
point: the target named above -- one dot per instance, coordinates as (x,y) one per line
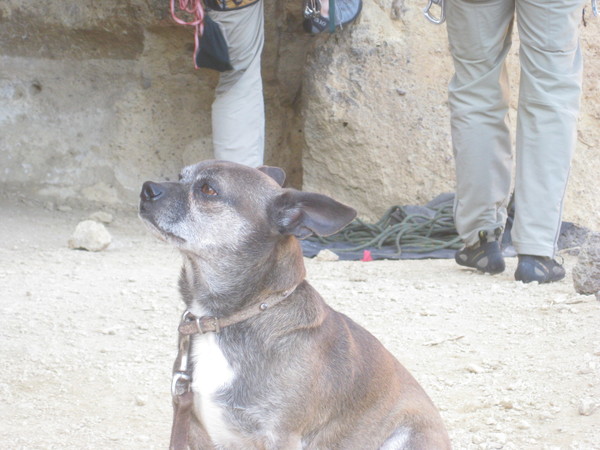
(88,339)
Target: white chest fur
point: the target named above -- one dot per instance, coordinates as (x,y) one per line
(211,373)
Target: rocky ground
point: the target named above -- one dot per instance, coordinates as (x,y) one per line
(88,340)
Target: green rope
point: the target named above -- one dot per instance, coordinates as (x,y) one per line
(416,232)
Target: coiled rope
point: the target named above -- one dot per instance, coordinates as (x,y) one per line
(417,233)
(196,10)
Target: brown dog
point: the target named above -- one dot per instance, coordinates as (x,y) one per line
(264,363)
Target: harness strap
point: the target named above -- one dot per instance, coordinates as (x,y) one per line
(228,5)
(332,16)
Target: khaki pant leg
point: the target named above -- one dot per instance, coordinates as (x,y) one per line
(479,34)
(549,96)
(238,116)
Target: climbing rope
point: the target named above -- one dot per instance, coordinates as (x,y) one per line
(196,10)
(417,233)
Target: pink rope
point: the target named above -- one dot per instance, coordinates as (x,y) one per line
(193,7)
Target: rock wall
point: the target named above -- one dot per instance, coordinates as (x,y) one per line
(96,97)
(377,126)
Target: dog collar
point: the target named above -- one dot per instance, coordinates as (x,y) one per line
(191,324)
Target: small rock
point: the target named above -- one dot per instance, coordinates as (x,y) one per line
(587,406)
(474,368)
(141,400)
(491,421)
(326,255)
(571,237)
(586,273)
(102,217)
(523,425)
(469,407)
(477,439)
(90,235)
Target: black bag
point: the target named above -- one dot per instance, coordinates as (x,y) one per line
(213,52)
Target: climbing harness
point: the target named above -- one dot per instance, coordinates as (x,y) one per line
(442,16)
(312,11)
(401,230)
(196,10)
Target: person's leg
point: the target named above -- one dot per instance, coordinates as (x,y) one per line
(551,75)
(479,34)
(238,115)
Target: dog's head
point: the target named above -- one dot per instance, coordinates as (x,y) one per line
(221,206)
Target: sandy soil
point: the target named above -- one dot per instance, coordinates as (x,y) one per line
(88,340)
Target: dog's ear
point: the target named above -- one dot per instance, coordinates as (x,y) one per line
(274,172)
(304,213)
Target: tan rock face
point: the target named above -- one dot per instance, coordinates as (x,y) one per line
(96,97)
(105,94)
(377,131)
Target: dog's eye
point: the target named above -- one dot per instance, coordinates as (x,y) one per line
(207,190)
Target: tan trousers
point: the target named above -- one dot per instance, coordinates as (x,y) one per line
(479,33)
(238,115)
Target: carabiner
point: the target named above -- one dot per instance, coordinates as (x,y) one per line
(437,20)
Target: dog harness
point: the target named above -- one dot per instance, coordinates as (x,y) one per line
(181,384)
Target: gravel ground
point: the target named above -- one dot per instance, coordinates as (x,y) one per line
(88,340)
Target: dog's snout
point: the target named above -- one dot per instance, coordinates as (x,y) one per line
(151,191)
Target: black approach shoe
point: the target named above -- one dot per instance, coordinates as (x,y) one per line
(484,256)
(538,268)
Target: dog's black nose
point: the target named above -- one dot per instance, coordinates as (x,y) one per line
(151,191)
